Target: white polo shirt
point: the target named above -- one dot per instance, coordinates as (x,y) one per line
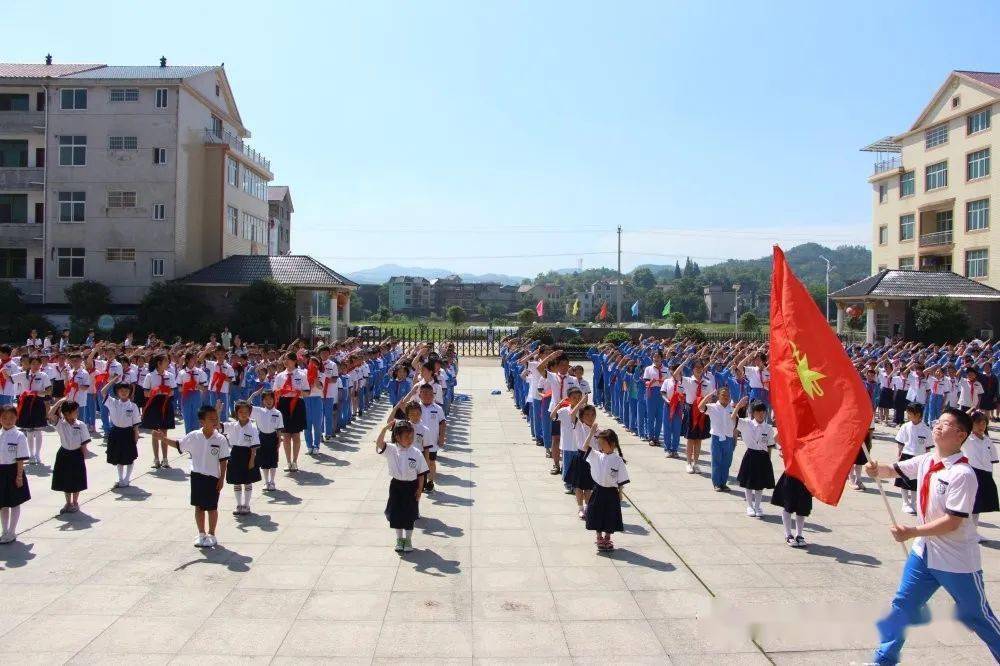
(757,436)
(82,379)
(720,419)
(241,435)
(405,463)
(952,491)
(916,439)
(330,378)
(13,446)
(980,452)
(607,469)
(299,382)
(757,378)
(581,431)
(431,416)
(968,393)
(123,413)
(267,420)
(206,452)
(567,429)
(654,376)
(420,435)
(690,385)
(559,385)
(72,435)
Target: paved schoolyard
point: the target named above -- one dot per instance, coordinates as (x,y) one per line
(503,571)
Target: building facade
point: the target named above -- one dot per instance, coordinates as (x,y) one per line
(932,189)
(126,175)
(409,294)
(280,209)
(720,304)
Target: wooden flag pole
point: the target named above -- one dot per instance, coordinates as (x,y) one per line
(885,500)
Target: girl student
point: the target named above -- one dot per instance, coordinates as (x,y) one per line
(864,453)
(33,387)
(672,395)
(192,380)
(13,483)
(400,383)
(269,422)
(978,448)
(158,411)
(695,387)
(885,392)
(123,438)
(408,469)
(756,472)
(794,499)
(653,375)
(914,439)
(244,440)
(607,468)
(583,482)
(69,473)
(722,425)
(566,414)
(291,386)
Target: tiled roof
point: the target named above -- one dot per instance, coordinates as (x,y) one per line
(989,78)
(276,192)
(896,284)
(143,72)
(291,270)
(15,70)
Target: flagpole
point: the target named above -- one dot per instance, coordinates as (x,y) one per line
(885,500)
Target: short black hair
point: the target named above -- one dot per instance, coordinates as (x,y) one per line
(69,407)
(963,420)
(204,410)
(917,408)
(757,406)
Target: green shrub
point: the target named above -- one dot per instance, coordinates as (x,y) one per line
(677,318)
(692,332)
(540,333)
(617,337)
(940,319)
(749,322)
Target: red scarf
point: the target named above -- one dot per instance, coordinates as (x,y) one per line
(190,385)
(925,484)
(675,401)
(218,379)
(71,389)
(312,374)
(26,396)
(659,381)
(288,390)
(160,389)
(697,416)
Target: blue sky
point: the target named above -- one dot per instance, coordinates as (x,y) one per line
(479,135)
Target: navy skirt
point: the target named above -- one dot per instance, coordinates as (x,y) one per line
(579,473)
(986,495)
(756,472)
(122,448)
(239,471)
(267,454)
(10,494)
(294,419)
(401,508)
(159,413)
(604,510)
(792,496)
(905,484)
(69,474)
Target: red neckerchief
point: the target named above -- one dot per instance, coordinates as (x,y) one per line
(675,401)
(312,373)
(159,389)
(925,484)
(190,385)
(71,388)
(218,379)
(26,396)
(326,380)
(287,389)
(697,416)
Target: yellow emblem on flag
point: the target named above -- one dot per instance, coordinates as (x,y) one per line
(576,307)
(809,377)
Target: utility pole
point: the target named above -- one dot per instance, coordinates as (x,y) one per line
(621,286)
(827,287)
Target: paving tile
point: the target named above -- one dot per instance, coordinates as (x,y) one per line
(239,636)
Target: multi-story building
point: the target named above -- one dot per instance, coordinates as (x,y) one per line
(607,291)
(126,175)
(451,290)
(931,187)
(409,294)
(720,304)
(586,301)
(280,209)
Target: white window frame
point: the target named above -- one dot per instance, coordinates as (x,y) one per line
(159,156)
(909,260)
(233,220)
(883,234)
(162,96)
(978,161)
(119,254)
(72,146)
(119,199)
(979,219)
(936,136)
(123,95)
(157,264)
(232,172)
(941,173)
(68,203)
(70,254)
(159,211)
(912,225)
(883,193)
(73,107)
(123,143)
(981,263)
(912,182)
(978,121)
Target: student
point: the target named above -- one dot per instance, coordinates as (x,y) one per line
(756,472)
(696,387)
(583,482)
(969,391)
(860,460)
(408,469)
(566,415)
(938,387)
(653,375)
(584,385)
(672,395)
(314,406)
(978,448)
(158,412)
(192,380)
(69,473)
(123,438)
(291,386)
(436,423)
(13,483)
(331,386)
(607,468)
(795,500)
(914,438)
(269,422)
(720,416)
(7,368)
(209,462)
(399,385)
(244,440)
(220,377)
(945,552)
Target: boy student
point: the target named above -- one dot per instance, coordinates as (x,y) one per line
(721,428)
(914,439)
(945,551)
(556,386)
(331,386)
(209,451)
(436,423)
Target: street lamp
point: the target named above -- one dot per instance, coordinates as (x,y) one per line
(736,303)
(828,267)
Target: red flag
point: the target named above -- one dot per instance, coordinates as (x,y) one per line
(603,314)
(820,404)
(540,309)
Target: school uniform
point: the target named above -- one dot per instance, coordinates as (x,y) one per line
(760,384)
(898,384)
(287,385)
(331,386)
(220,376)
(13,447)
(191,381)
(792,495)
(694,390)
(968,393)
(982,456)
(952,560)
(243,440)
(604,510)
(57,375)
(8,387)
(113,374)
(314,408)
(78,383)
(653,377)
(123,415)
(269,422)
(69,474)
(937,389)
(406,466)
(158,412)
(885,392)
(31,412)
(431,416)
(916,440)
(558,386)
(672,396)
(756,471)
(721,429)
(206,455)
(567,442)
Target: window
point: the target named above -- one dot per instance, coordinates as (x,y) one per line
(73,99)
(977,215)
(70,261)
(883,192)
(124,95)
(13,102)
(14,153)
(935,176)
(13,263)
(883,234)
(119,199)
(977,263)
(120,254)
(882,267)
(935,136)
(254,185)
(977,164)
(232,172)
(157,267)
(253,228)
(955,101)
(906,263)
(978,121)
(216,126)
(123,143)
(233,220)
(907,184)
(159,212)
(13,208)
(161,98)
(72,206)
(159,155)
(72,150)
(906,227)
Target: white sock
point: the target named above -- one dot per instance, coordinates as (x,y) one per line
(907,497)
(748,494)
(15,514)
(247,491)
(121,473)
(399,534)
(786,520)
(800,522)
(4,519)
(127,475)
(238,491)
(409,533)
(758,495)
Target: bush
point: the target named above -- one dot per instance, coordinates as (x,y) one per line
(749,322)
(265,312)
(940,319)
(617,337)
(692,332)
(677,318)
(88,300)
(456,315)
(540,333)
(526,317)
(170,309)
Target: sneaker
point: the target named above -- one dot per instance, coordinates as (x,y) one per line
(272,486)
(800,541)
(407,546)
(570,491)
(118,484)
(67,508)
(238,510)
(155,465)
(555,470)
(751,513)
(125,484)
(7,537)
(201,541)
(858,485)
(689,468)
(165,465)
(429,486)
(674,454)
(288,467)
(909,509)
(399,546)
(718,489)
(758,512)
(246,510)
(790,541)
(724,488)
(582,514)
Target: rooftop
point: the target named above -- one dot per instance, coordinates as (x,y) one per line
(127,72)
(907,285)
(989,78)
(293,270)
(15,70)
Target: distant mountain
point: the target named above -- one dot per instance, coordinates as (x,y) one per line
(380,274)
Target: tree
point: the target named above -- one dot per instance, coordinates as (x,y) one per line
(686,296)
(617,337)
(691,268)
(88,300)
(172,309)
(818,292)
(677,270)
(749,323)
(692,332)
(526,317)
(677,318)
(264,311)
(15,320)
(456,315)
(940,319)
(540,333)
(643,279)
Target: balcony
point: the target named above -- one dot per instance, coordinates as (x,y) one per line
(936,238)
(21,178)
(22,122)
(237,145)
(893,163)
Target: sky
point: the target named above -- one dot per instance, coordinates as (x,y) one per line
(515,137)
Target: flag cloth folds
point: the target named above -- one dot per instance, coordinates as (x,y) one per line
(635,309)
(576,307)
(821,408)
(603,314)
(540,308)
(666,310)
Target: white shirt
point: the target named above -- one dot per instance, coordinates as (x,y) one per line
(916,388)
(405,463)
(654,376)
(206,452)
(228,375)
(241,435)
(952,491)
(533,379)
(939,386)
(267,420)
(13,446)
(154,379)
(567,429)
(197,374)
(968,393)
(559,385)
(756,436)
(898,383)
(10,386)
(584,386)
(582,430)
(330,373)
(72,435)
(607,469)
(31,381)
(756,377)
(82,379)
(299,382)
(123,413)
(980,452)
(431,416)
(720,419)
(690,385)
(916,439)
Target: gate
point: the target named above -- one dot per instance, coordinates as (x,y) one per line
(467,343)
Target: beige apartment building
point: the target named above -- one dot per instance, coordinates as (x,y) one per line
(932,186)
(127,175)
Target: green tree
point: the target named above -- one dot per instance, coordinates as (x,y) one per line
(383,314)
(88,300)
(692,332)
(686,296)
(677,318)
(677,270)
(940,319)
(617,337)
(456,315)
(749,322)
(643,279)
(171,309)
(15,320)
(818,292)
(526,317)
(265,311)
(541,333)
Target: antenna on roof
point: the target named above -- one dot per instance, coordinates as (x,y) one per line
(48,58)
(163,61)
